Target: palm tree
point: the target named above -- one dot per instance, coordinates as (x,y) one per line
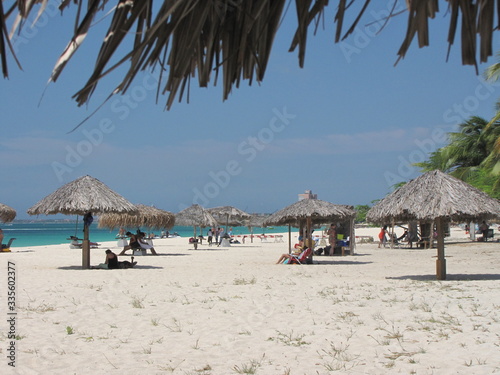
(437,160)
(492,74)
(470,155)
(470,146)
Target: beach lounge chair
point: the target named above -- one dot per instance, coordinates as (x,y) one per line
(6,248)
(301,258)
(77,243)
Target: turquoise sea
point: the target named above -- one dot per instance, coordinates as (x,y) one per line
(56,232)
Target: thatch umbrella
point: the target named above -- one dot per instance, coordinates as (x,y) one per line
(191,36)
(309,212)
(229,215)
(255,220)
(7,214)
(195,216)
(146,216)
(83,196)
(435,196)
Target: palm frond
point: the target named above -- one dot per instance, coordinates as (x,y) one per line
(232,39)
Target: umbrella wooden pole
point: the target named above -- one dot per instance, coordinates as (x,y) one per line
(86,248)
(392,233)
(441,261)
(352,237)
(289,238)
(309,235)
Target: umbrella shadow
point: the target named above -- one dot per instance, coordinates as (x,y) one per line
(449,277)
(79,268)
(347,262)
(147,267)
(136,257)
(209,249)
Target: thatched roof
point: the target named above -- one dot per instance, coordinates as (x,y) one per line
(85,194)
(229,215)
(256,220)
(146,216)
(188,38)
(7,213)
(320,212)
(435,195)
(195,216)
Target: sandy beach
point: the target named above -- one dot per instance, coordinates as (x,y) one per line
(232,310)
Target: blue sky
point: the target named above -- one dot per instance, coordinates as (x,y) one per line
(347,126)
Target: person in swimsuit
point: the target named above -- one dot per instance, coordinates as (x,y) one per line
(143,244)
(111,260)
(332,237)
(112,263)
(381,236)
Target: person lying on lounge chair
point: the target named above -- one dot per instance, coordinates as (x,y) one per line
(285,256)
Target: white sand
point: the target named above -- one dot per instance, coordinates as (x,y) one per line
(233,311)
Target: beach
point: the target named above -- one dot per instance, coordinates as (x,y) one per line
(232,310)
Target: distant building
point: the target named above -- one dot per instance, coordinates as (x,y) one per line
(308,195)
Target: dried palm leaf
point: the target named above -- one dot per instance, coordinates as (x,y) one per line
(189,38)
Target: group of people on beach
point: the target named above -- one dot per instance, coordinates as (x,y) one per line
(218,234)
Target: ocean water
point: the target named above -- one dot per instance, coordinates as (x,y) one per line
(55,232)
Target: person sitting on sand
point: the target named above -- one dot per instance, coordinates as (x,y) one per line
(111,262)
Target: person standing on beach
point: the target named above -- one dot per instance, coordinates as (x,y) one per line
(332,238)
(210,235)
(484,230)
(381,236)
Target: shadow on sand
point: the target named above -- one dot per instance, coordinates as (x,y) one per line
(79,268)
(449,277)
(338,260)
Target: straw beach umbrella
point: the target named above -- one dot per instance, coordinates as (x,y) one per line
(439,197)
(309,212)
(255,221)
(195,216)
(83,196)
(7,214)
(146,216)
(229,215)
